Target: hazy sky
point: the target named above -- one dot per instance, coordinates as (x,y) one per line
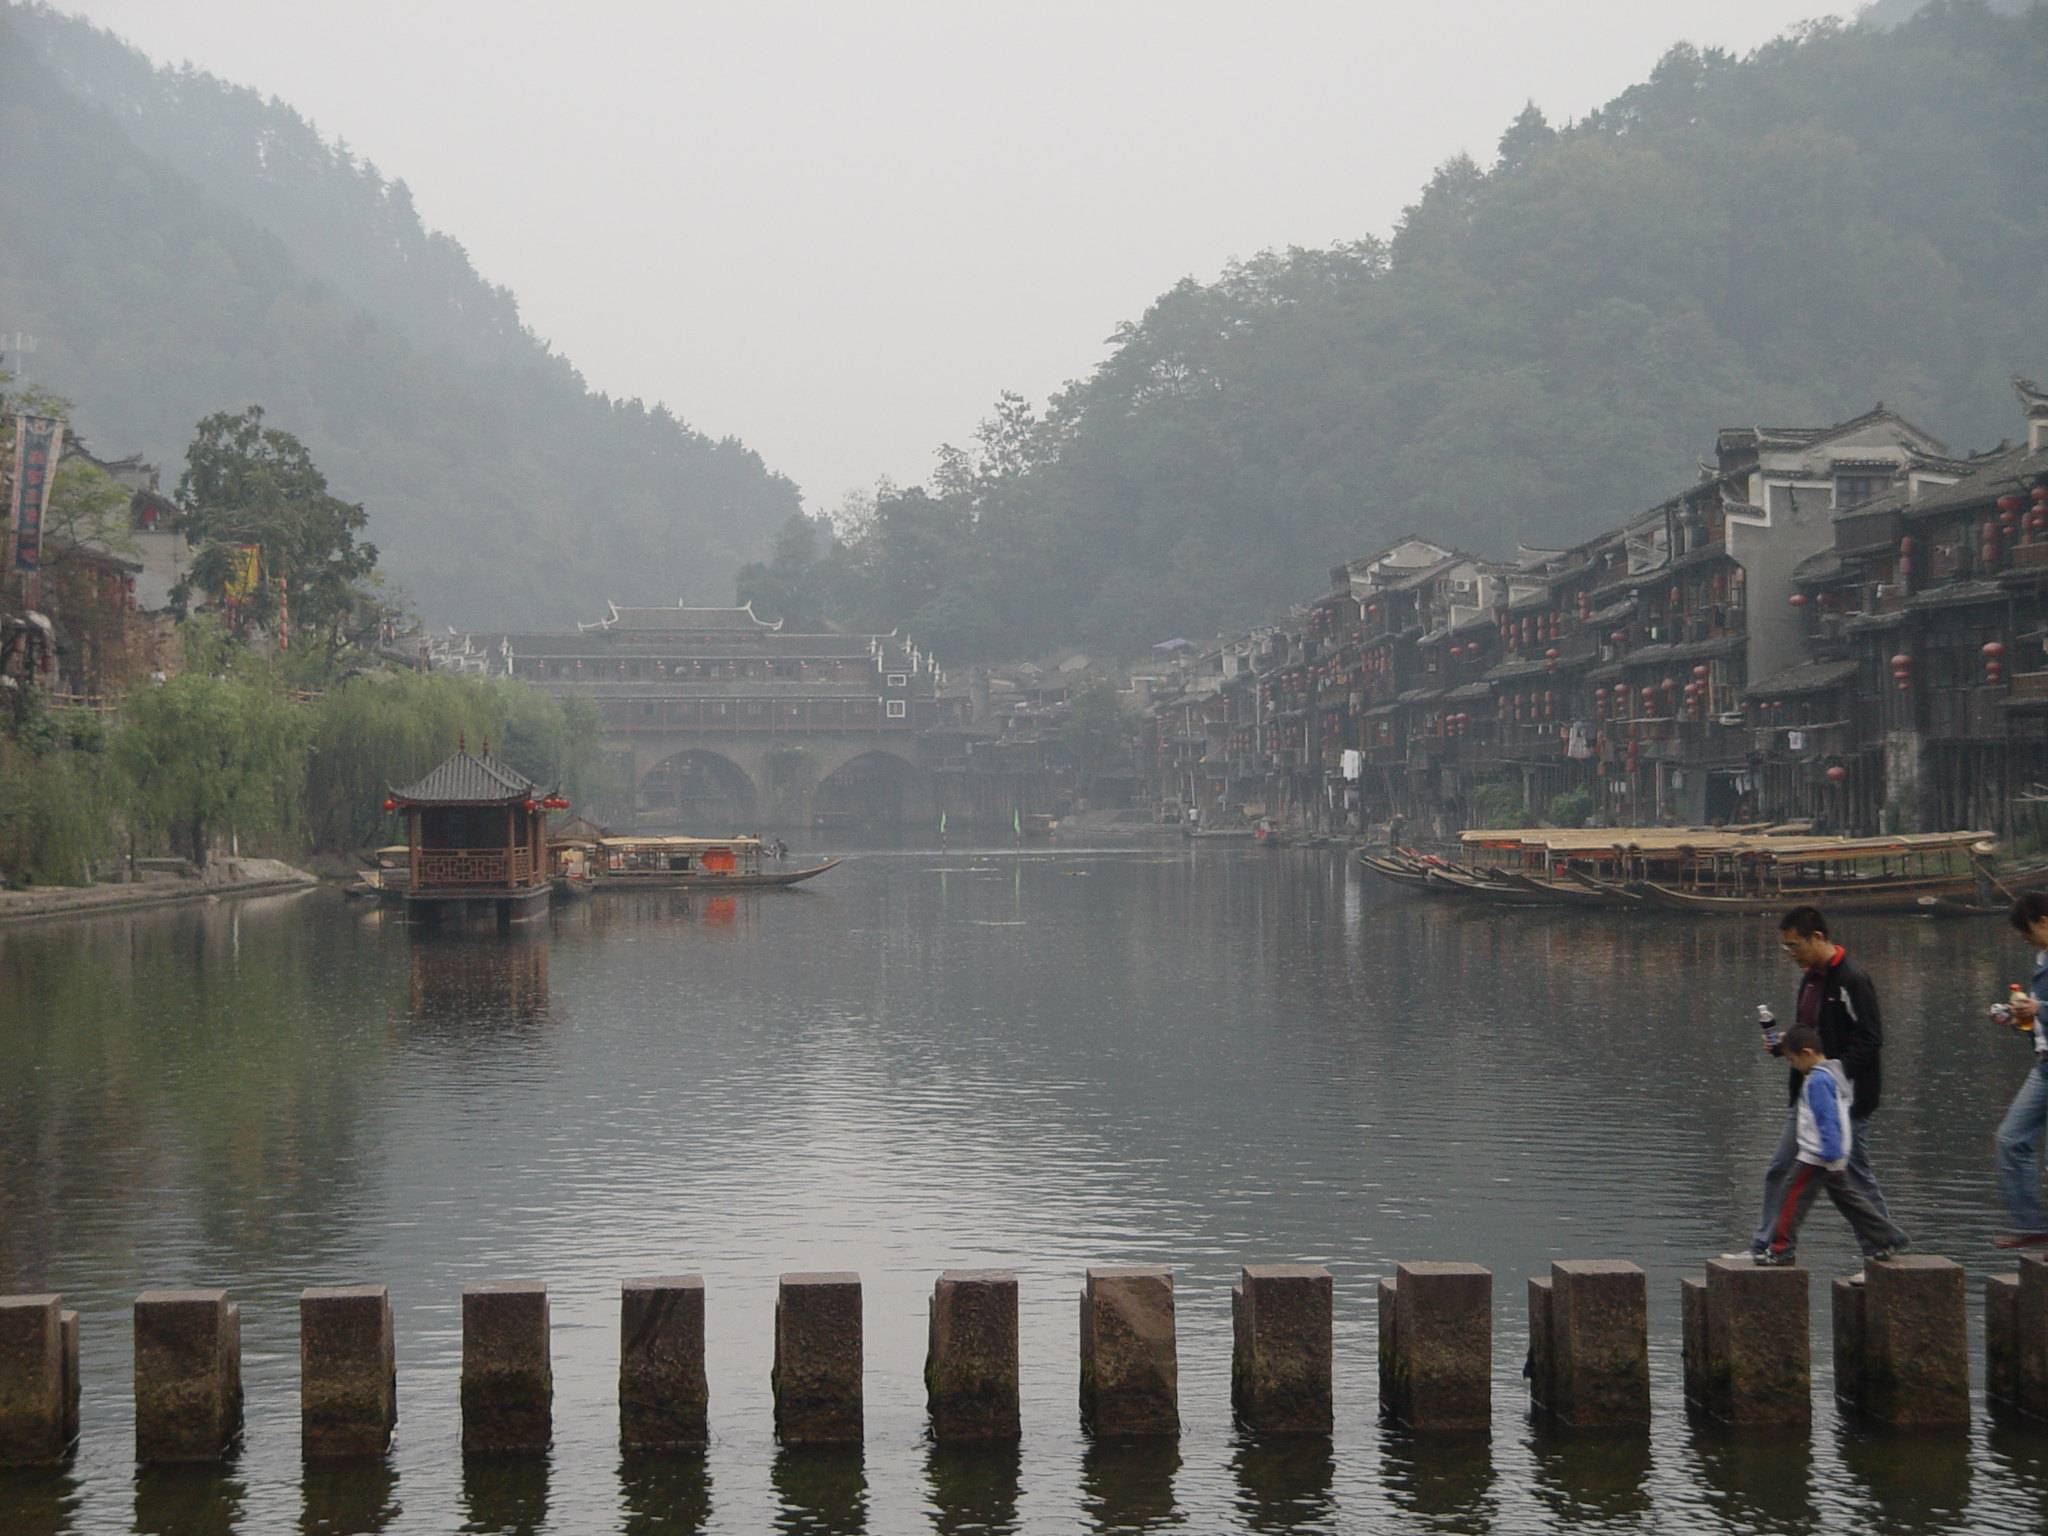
(837,230)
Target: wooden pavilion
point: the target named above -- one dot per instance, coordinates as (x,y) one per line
(477,832)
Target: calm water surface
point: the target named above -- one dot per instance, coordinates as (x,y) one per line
(923,1061)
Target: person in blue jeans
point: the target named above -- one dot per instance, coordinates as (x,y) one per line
(2019,1136)
(1838,999)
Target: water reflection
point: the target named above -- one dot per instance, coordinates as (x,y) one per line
(1285,1482)
(1917,1480)
(974,1489)
(38,1501)
(666,1494)
(821,1490)
(1445,1480)
(187,1501)
(504,1495)
(1184,1062)
(2021,1451)
(469,983)
(1127,1485)
(1756,1480)
(356,1497)
(1584,1476)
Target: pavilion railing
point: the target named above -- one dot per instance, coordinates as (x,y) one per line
(488,867)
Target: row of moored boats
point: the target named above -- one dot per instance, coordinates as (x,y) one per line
(1693,869)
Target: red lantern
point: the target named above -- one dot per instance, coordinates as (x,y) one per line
(390,805)
(1901,661)
(1994,649)
(1798,599)
(1702,673)
(2039,493)
(1837,774)
(1619,637)
(2009,502)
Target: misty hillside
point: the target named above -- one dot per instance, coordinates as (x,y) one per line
(180,246)
(1545,346)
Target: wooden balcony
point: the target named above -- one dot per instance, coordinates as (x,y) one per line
(483,869)
(1966,714)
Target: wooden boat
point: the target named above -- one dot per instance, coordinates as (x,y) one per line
(691,863)
(1560,893)
(1401,870)
(1616,895)
(387,881)
(1467,883)
(1760,870)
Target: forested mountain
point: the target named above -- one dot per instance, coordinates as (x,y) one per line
(1544,346)
(179,246)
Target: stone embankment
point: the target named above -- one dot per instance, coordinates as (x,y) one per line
(1901,1357)
(222,877)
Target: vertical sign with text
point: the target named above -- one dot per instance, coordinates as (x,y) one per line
(38,440)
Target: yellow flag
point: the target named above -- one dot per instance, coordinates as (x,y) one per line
(245,569)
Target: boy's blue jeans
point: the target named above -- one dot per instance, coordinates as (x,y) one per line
(1778,1178)
(2019,1136)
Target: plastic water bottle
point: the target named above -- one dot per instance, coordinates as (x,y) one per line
(1767,1021)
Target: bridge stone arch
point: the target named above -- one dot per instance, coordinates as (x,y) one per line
(872,787)
(864,777)
(696,789)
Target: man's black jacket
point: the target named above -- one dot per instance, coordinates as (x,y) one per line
(1851,1030)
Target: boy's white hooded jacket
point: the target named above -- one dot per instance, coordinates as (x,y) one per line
(1825,1135)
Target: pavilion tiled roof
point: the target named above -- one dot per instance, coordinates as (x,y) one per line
(470,778)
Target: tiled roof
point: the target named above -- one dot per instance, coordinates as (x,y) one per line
(1807,677)
(470,777)
(679,617)
(2014,469)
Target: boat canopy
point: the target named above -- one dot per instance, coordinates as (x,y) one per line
(1758,844)
(679,844)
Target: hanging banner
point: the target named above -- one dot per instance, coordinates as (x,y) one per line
(38,441)
(245,570)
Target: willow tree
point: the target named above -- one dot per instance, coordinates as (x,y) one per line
(206,754)
(372,732)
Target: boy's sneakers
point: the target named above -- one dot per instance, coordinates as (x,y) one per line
(1749,1254)
(1764,1260)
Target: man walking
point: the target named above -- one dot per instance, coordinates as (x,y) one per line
(1838,1000)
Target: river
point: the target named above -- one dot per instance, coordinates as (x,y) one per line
(1188,1057)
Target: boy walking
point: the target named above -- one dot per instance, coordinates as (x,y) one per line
(1826,1133)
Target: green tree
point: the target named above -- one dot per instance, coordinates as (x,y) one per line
(371,733)
(1098,731)
(211,754)
(793,583)
(248,486)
